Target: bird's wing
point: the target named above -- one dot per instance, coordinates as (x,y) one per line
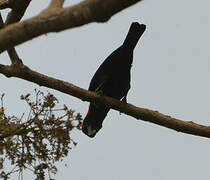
(98,82)
(105,72)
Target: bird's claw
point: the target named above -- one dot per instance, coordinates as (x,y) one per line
(124,99)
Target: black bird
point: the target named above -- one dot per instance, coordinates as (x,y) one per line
(112,79)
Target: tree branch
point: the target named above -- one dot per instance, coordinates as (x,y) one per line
(18,9)
(155,117)
(17,12)
(5,4)
(63,18)
(56,4)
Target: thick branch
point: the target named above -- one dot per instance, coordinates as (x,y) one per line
(56,3)
(155,117)
(63,18)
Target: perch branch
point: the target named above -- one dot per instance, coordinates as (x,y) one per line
(23,72)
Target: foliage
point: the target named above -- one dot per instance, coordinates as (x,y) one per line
(40,140)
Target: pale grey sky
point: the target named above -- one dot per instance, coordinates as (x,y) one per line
(170,73)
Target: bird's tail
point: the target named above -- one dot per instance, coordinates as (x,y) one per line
(135,32)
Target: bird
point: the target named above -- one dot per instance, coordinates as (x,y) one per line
(112,79)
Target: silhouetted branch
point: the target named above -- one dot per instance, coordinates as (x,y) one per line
(18,9)
(5,4)
(155,117)
(63,18)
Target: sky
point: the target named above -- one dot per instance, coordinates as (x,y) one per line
(170,74)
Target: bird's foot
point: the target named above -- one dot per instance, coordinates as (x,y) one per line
(99,92)
(124,99)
